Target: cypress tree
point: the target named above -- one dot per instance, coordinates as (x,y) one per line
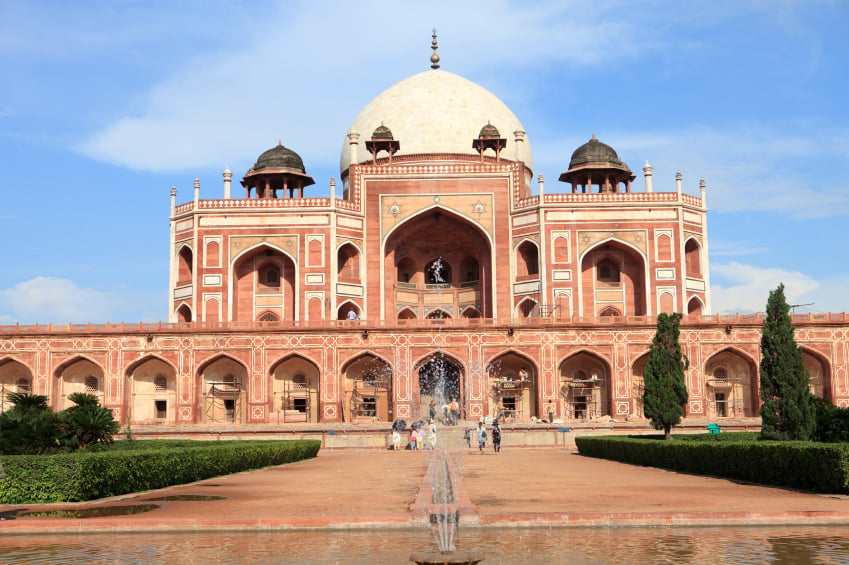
(787,411)
(665,392)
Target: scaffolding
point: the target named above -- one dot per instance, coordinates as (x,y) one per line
(296,402)
(583,398)
(365,395)
(222,402)
(508,398)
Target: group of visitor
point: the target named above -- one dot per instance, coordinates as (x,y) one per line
(450,412)
(420,437)
(482,436)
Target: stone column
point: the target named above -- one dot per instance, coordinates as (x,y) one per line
(647,171)
(227,178)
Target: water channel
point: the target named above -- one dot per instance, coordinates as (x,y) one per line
(515,546)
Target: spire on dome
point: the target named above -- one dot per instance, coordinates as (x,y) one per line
(434,59)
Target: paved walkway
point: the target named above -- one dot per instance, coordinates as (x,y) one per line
(376,488)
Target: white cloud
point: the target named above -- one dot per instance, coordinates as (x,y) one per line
(305,85)
(775,167)
(55,300)
(747,287)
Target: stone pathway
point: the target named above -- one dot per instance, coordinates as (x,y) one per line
(378,489)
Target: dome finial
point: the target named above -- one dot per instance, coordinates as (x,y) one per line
(434,59)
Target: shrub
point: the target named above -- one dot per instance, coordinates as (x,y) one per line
(797,464)
(83,476)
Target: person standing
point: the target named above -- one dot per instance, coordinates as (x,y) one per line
(414,436)
(431,438)
(496,437)
(550,408)
(455,412)
(467,435)
(431,411)
(481,437)
(396,440)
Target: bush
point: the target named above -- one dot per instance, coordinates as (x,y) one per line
(796,464)
(832,423)
(129,468)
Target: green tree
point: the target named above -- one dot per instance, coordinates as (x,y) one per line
(30,427)
(87,422)
(665,392)
(787,411)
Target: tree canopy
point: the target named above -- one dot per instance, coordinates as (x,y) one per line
(665,392)
(787,411)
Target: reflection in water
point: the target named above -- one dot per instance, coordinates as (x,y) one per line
(721,545)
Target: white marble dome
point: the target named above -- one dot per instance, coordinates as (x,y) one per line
(436,112)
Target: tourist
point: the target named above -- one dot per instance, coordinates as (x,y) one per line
(445,420)
(481,437)
(431,411)
(352,315)
(550,408)
(432,435)
(467,435)
(396,440)
(455,412)
(414,436)
(496,437)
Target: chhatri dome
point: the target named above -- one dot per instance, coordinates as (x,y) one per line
(436,112)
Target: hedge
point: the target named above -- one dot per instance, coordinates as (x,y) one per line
(139,466)
(817,467)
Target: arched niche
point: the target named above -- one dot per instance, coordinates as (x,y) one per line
(222,391)
(78,374)
(513,387)
(295,390)
(15,377)
(263,280)
(613,274)
(731,385)
(152,391)
(439,379)
(819,371)
(432,259)
(585,387)
(367,382)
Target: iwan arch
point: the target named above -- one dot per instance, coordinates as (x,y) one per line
(443,251)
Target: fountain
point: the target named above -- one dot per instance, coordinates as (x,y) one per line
(437,498)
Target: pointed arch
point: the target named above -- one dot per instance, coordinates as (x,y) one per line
(438,208)
(15,377)
(367,382)
(151,390)
(693,258)
(585,385)
(527,260)
(184,313)
(222,382)
(185,264)
(267,269)
(513,386)
(638,369)
(471,312)
(623,283)
(610,312)
(347,306)
(695,306)
(731,384)
(438,314)
(78,373)
(527,308)
(348,263)
(819,371)
(294,384)
(407,314)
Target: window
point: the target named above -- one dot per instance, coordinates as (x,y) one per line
(160,383)
(23,386)
(299,381)
(721,405)
(272,277)
(607,272)
(91,385)
(720,374)
(160,408)
(509,403)
(300,404)
(230,409)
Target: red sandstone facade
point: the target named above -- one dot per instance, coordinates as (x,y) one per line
(525,302)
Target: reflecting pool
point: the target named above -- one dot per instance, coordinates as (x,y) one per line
(720,545)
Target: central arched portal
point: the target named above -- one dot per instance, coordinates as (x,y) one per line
(438,261)
(440,382)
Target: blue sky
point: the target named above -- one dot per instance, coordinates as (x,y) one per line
(105,105)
